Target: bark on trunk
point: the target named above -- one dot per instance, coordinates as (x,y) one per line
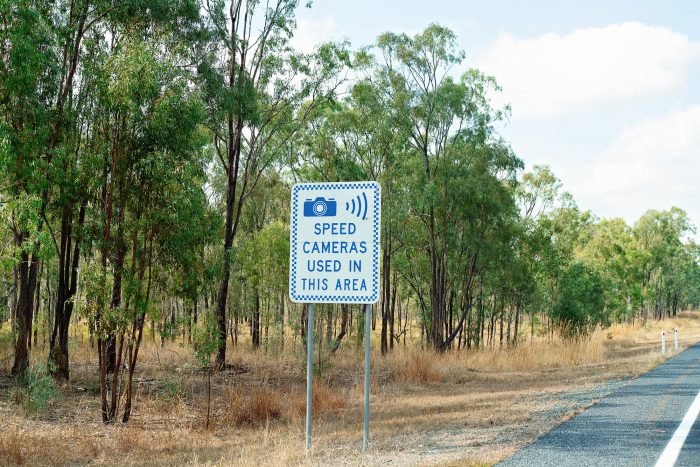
(67,287)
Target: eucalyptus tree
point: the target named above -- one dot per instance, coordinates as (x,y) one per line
(564,229)
(610,250)
(47,49)
(689,280)
(258,90)
(152,177)
(542,248)
(447,120)
(476,214)
(539,191)
(264,269)
(170,216)
(262,257)
(361,138)
(41,45)
(375,135)
(660,236)
(30,83)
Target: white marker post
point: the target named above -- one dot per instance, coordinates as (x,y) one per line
(663,342)
(675,340)
(334,258)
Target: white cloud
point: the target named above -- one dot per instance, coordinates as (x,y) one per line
(550,75)
(653,164)
(311,32)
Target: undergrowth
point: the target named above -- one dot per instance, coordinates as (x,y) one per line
(36,391)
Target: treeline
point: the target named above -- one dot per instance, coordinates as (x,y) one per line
(148,147)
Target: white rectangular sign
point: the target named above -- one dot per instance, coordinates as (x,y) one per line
(334,242)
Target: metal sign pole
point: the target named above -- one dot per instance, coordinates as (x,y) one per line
(309,371)
(368,324)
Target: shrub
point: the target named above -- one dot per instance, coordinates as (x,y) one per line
(581,303)
(37,390)
(170,389)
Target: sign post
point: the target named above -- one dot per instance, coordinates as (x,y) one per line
(368,329)
(334,258)
(309,370)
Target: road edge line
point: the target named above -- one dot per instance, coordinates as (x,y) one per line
(673,448)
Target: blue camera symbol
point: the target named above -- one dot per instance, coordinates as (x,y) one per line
(320,207)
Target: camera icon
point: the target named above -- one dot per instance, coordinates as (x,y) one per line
(320,207)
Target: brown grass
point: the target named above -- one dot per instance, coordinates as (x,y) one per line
(324,399)
(418,367)
(11,448)
(467,407)
(254,406)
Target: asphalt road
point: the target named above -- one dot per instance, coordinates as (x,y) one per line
(631,427)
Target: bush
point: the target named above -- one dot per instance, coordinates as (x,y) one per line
(172,389)
(581,303)
(37,390)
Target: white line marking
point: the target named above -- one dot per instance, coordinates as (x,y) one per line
(673,448)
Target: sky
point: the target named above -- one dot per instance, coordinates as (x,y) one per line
(607,93)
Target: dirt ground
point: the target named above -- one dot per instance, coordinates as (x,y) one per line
(461,408)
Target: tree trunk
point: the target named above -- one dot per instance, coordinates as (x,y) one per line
(27,275)
(255,320)
(67,288)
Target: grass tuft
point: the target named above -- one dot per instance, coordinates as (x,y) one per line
(254,407)
(419,367)
(324,399)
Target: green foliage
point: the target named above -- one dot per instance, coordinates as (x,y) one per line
(205,340)
(172,389)
(37,390)
(7,341)
(581,303)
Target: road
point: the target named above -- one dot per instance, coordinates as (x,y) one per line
(631,427)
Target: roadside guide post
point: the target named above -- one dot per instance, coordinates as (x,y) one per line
(675,340)
(663,341)
(334,258)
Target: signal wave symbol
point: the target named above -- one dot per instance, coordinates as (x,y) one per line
(358,206)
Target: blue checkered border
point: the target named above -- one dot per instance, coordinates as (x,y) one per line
(321,298)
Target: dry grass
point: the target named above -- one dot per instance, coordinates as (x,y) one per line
(258,406)
(324,400)
(460,408)
(255,407)
(417,367)
(11,448)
